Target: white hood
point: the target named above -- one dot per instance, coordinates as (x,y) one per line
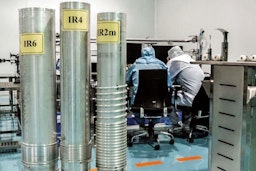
(183,58)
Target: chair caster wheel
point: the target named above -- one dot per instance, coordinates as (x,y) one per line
(157,147)
(129,144)
(191,140)
(156,136)
(171,141)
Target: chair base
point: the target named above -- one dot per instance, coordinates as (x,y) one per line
(143,137)
(190,133)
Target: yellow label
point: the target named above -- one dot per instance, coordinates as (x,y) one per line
(108,32)
(32,43)
(75,20)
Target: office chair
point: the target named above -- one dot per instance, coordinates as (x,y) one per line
(152,101)
(198,114)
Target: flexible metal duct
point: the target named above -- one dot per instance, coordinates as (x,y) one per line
(75,80)
(38,89)
(111,136)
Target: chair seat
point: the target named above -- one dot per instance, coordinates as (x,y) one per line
(197,116)
(152,102)
(151,112)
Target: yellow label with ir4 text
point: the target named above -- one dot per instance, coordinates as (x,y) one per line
(108,32)
(32,43)
(75,20)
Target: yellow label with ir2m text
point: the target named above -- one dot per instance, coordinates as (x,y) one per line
(75,20)
(108,32)
(32,43)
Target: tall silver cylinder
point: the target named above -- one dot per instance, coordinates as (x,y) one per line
(38,89)
(75,82)
(111,136)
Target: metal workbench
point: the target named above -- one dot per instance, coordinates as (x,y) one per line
(9,115)
(233,116)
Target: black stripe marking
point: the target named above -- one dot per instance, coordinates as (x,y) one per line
(228,85)
(228,114)
(221,168)
(229,129)
(225,142)
(230,100)
(225,156)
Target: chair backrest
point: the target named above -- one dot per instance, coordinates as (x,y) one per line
(201,101)
(152,90)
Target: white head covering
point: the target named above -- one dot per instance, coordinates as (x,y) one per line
(176,54)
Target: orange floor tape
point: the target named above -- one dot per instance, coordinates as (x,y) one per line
(150,163)
(183,159)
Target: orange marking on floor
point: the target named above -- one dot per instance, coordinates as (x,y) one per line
(150,163)
(183,159)
(94,169)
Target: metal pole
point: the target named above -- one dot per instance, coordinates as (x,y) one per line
(37,63)
(111,135)
(75,82)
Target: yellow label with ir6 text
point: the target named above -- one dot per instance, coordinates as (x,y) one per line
(75,20)
(108,32)
(32,43)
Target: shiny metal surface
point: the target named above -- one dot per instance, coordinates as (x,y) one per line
(111,136)
(227,117)
(142,154)
(47,158)
(111,60)
(233,125)
(39,144)
(75,92)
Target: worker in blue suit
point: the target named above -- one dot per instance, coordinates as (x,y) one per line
(147,60)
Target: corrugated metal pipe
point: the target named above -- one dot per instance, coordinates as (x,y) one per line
(111,93)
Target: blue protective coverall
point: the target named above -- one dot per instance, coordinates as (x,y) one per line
(147,60)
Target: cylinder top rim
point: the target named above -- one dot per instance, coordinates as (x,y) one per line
(36,9)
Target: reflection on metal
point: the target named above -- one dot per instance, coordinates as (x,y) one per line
(224,45)
(233,140)
(37,48)
(75,76)
(111,92)
(193,39)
